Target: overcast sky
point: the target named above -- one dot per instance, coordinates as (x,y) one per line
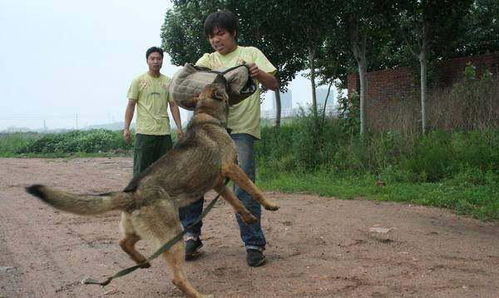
(66,62)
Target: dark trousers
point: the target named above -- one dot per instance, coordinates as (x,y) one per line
(252,234)
(148,149)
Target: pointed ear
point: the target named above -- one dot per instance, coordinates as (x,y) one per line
(220,93)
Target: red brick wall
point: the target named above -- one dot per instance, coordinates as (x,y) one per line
(388,88)
(452,70)
(400,82)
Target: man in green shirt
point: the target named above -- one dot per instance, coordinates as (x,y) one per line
(149,93)
(244,121)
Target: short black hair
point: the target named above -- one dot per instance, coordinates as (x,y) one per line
(223,19)
(154,50)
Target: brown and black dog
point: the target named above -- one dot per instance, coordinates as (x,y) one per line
(198,163)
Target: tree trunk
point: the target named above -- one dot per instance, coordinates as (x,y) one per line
(363,92)
(423,63)
(277,108)
(311,58)
(359,52)
(325,102)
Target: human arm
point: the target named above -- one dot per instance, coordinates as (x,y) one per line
(268,80)
(130,109)
(176,117)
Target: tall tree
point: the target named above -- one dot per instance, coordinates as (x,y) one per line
(184,40)
(429,28)
(308,24)
(365,24)
(481,29)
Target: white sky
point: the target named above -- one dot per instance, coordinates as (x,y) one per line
(62,58)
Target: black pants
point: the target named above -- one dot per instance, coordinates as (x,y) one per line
(148,149)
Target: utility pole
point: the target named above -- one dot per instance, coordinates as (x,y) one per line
(76,120)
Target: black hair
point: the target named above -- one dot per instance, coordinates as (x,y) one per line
(223,19)
(154,50)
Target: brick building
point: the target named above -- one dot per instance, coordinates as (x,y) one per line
(388,88)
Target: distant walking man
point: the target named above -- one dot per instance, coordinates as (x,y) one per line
(149,93)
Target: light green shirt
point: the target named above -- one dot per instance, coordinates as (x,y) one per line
(151,96)
(244,117)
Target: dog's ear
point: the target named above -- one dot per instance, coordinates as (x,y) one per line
(219,92)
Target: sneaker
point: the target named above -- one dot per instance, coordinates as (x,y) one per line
(192,247)
(255,257)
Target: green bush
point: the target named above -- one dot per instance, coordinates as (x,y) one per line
(11,143)
(432,157)
(306,145)
(91,141)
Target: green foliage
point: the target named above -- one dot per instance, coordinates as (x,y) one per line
(481,29)
(431,159)
(478,200)
(183,35)
(451,169)
(349,112)
(92,141)
(309,143)
(11,143)
(470,71)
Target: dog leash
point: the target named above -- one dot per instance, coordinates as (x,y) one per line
(165,247)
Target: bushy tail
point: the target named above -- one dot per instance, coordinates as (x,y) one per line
(82,204)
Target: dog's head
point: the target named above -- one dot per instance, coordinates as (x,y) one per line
(214,100)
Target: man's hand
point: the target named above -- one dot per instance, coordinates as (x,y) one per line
(253,70)
(267,80)
(126,136)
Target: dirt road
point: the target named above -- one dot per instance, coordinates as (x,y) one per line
(317,247)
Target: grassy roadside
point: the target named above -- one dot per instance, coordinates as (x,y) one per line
(465,195)
(477,200)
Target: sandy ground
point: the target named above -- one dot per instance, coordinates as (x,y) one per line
(317,246)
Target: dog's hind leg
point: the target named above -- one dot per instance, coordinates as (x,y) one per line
(127,243)
(231,198)
(175,259)
(159,223)
(236,174)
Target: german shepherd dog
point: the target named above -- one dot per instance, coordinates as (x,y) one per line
(198,163)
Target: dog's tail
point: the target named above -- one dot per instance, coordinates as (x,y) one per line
(82,204)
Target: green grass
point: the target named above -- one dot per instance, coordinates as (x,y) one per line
(11,143)
(98,142)
(457,170)
(479,201)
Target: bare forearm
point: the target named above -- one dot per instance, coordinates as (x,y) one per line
(130,109)
(176,115)
(267,80)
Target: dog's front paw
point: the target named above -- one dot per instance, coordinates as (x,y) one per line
(271,206)
(249,218)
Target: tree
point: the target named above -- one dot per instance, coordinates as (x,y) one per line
(184,40)
(364,23)
(182,31)
(481,29)
(309,23)
(429,28)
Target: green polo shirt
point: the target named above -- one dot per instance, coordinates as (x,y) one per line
(244,117)
(151,96)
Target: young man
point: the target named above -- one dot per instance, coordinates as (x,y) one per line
(149,92)
(244,121)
